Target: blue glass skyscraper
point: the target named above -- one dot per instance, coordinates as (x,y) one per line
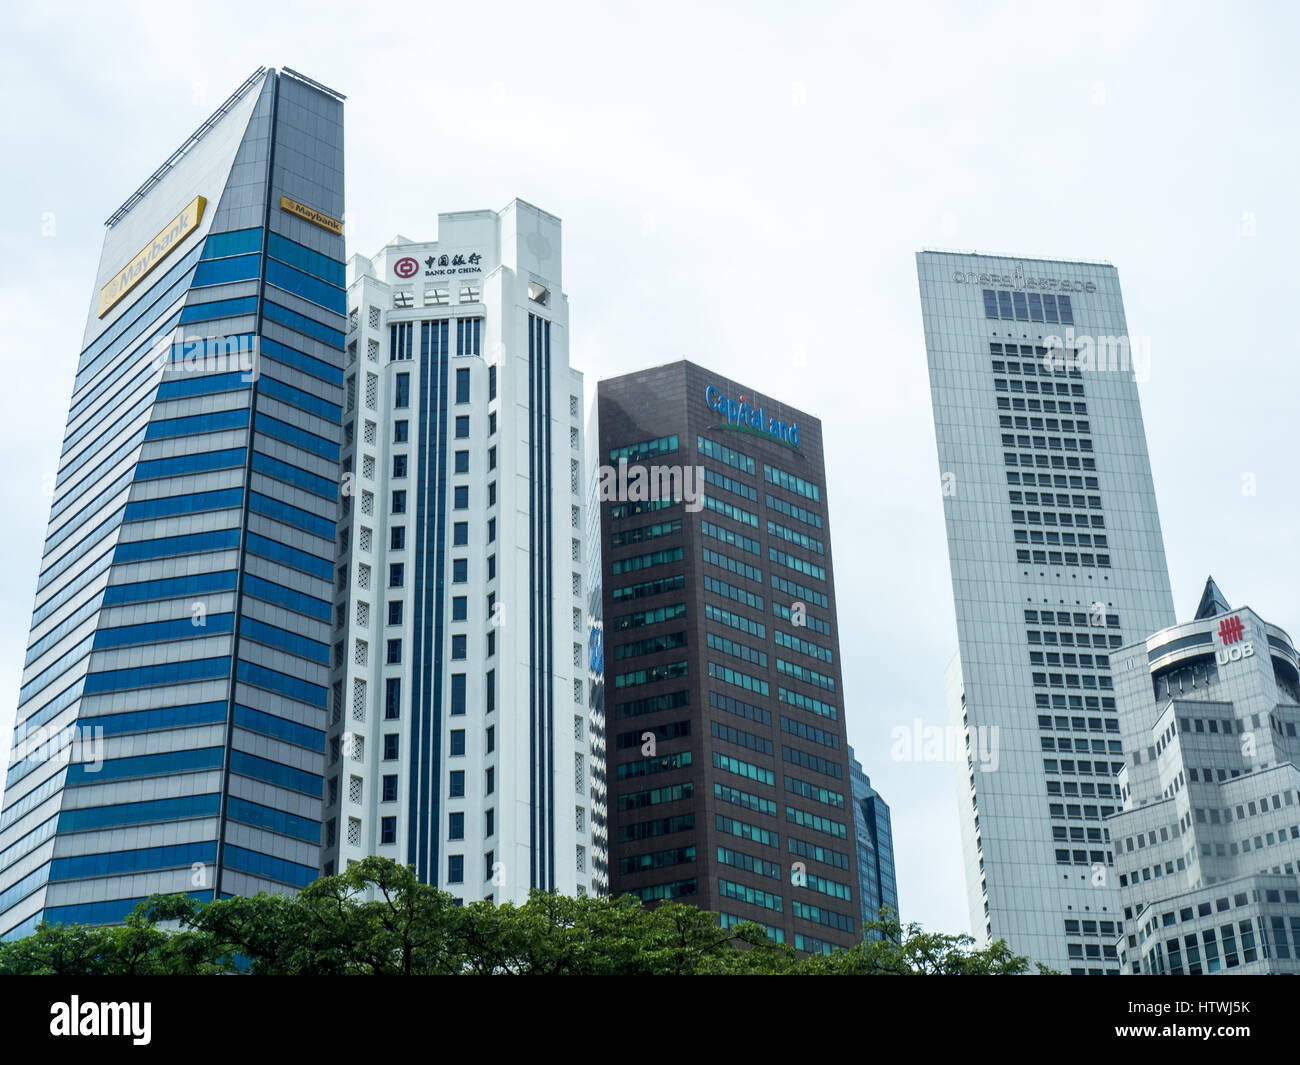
(877,883)
(170,727)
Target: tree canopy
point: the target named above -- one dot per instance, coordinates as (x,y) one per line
(378,919)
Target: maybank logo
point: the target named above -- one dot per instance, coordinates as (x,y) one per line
(747,418)
(310,214)
(151,255)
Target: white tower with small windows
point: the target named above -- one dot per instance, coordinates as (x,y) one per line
(459,738)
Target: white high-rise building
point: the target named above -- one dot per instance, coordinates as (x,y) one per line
(1208,843)
(1057,561)
(460,740)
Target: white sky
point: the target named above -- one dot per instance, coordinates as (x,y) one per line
(745,185)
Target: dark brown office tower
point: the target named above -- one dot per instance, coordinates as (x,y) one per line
(727,761)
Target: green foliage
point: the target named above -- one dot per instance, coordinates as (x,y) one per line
(378,919)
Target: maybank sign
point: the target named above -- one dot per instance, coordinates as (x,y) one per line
(746,418)
(310,214)
(151,255)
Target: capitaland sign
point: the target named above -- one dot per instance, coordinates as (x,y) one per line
(310,214)
(166,242)
(747,418)
(1017,279)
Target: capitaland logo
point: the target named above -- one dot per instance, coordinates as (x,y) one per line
(745,417)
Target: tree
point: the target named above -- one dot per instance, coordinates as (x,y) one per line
(376,918)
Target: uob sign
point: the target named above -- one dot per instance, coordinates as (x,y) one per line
(1234,648)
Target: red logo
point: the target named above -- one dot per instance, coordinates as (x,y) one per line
(406,267)
(1231,629)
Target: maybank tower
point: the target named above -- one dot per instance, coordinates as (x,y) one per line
(170,730)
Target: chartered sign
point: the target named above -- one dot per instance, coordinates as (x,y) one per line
(151,255)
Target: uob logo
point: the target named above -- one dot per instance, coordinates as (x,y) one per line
(1231,631)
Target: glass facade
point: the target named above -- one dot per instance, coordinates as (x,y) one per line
(170,729)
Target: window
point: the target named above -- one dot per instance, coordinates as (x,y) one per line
(396,574)
(401,432)
(399,465)
(491,690)
(462,462)
(456,826)
(492,418)
(393,698)
(395,612)
(397,538)
(458,646)
(460,534)
(462,427)
(490,739)
(492,531)
(492,459)
(455,868)
(457,742)
(490,780)
(399,501)
(389,791)
(491,567)
(402,390)
(394,652)
(459,570)
(462,385)
(459,608)
(457,782)
(390,746)
(492,493)
(492,382)
(388,830)
(457,694)
(462,497)
(490,822)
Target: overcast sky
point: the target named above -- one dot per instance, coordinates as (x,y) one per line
(745,185)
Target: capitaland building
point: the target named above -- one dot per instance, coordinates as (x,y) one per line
(1057,561)
(877,881)
(716,657)
(460,740)
(170,731)
(1207,844)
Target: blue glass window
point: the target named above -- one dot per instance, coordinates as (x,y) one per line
(286,824)
(1035,307)
(296,397)
(390,746)
(461,497)
(396,574)
(198,423)
(279,727)
(302,324)
(462,462)
(289,556)
(205,312)
(462,426)
(459,570)
(460,534)
(307,287)
(232,242)
(389,792)
(295,475)
(393,698)
(203,462)
(308,365)
(457,742)
(303,258)
(387,830)
(402,390)
(299,438)
(456,780)
(1022,307)
(296,516)
(225,271)
(458,644)
(456,825)
(459,608)
(1004,304)
(271,680)
(455,868)
(277,773)
(457,694)
(990,303)
(462,385)
(298,602)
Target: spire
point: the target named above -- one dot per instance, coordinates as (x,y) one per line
(1212,602)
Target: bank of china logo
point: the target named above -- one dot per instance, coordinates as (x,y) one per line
(1231,629)
(406,267)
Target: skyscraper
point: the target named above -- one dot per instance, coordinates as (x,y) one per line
(1207,844)
(877,882)
(460,741)
(728,773)
(1057,561)
(170,727)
